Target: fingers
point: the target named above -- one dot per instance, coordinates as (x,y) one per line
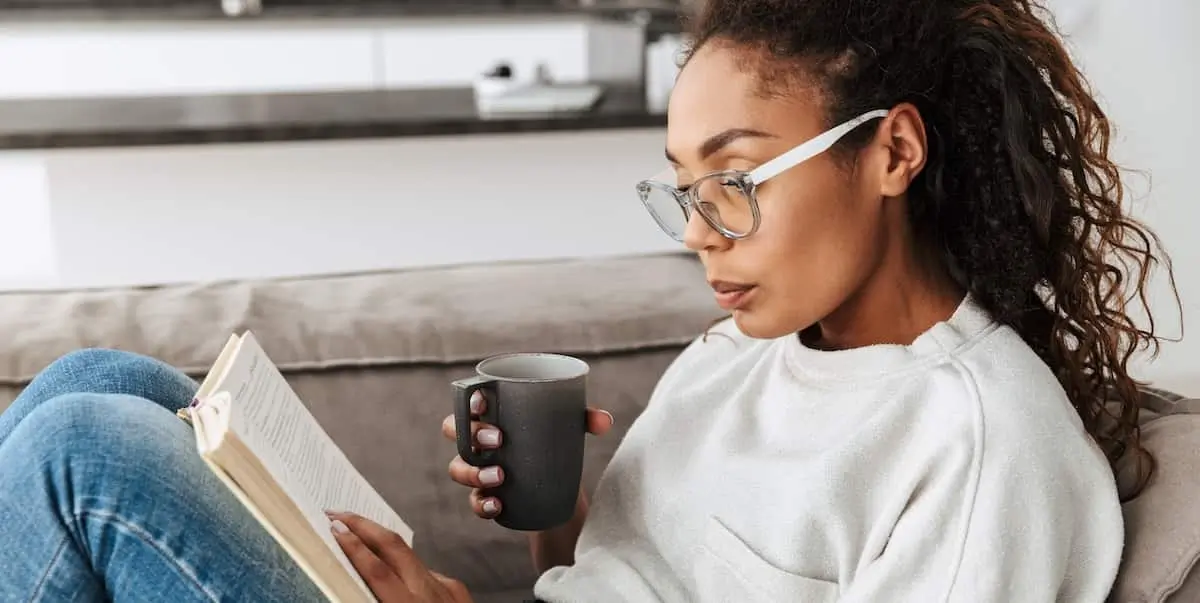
(478,403)
(374,542)
(598,421)
(479,479)
(478,406)
(476,477)
(483,436)
(379,575)
(486,507)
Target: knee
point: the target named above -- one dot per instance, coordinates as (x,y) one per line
(106,371)
(97,361)
(115,442)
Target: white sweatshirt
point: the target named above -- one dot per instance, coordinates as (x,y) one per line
(952,469)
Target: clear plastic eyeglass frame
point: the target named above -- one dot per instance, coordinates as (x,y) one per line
(745,182)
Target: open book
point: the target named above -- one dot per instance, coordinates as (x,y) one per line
(263,443)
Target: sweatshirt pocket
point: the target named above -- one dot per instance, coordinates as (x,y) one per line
(728,570)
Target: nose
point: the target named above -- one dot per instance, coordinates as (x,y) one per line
(699,235)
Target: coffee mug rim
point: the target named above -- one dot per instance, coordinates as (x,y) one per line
(482,373)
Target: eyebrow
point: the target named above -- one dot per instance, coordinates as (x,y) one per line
(718,141)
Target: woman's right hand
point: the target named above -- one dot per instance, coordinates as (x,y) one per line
(486,437)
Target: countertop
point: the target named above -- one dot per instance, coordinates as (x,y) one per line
(244,118)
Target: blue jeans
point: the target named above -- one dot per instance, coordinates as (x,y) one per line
(103,497)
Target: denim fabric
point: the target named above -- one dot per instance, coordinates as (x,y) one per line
(103,497)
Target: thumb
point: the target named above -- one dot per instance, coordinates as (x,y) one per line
(598,421)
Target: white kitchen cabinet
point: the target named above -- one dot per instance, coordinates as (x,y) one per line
(246,56)
(183,58)
(454,52)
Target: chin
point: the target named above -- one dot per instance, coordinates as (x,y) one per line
(758,324)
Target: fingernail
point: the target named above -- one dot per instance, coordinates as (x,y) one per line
(489,476)
(488,437)
(490,506)
(477,402)
(611,420)
(339,527)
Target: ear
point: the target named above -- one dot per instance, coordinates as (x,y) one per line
(902,134)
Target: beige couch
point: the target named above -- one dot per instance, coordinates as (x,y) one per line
(373,355)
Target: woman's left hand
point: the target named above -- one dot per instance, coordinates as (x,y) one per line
(389,566)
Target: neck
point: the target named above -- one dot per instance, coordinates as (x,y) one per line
(909,292)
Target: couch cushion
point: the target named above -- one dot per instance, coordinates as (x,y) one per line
(451,314)
(1162,524)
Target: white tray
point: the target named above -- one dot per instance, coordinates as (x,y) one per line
(541,99)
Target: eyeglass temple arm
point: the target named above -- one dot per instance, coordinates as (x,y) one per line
(810,149)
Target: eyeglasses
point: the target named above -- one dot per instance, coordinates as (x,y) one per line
(727,199)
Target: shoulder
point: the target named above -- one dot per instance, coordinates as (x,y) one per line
(1018,395)
(1029,437)
(1038,473)
(999,421)
(993,400)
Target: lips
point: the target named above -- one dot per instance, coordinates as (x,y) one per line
(731,296)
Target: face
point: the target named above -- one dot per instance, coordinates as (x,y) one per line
(824,223)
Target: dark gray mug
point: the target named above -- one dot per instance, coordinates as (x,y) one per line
(539,403)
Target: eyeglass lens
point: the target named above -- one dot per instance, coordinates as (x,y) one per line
(718,197)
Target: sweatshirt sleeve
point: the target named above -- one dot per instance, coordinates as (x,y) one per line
(1017,520)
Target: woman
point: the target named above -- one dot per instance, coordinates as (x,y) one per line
(908,209)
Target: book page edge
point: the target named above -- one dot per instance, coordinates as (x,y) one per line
(216,373)
(403,529)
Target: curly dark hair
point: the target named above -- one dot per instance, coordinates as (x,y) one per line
(1018,196)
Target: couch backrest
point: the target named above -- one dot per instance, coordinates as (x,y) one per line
(437,316)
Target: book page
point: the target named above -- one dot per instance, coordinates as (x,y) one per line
(274,424)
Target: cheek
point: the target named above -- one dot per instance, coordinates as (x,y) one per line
(812,251)
(808,233)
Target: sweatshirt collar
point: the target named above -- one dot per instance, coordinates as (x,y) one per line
(968,321)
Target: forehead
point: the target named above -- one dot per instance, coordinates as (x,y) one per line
(720,89)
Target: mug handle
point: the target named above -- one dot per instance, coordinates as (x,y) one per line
(462,419)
